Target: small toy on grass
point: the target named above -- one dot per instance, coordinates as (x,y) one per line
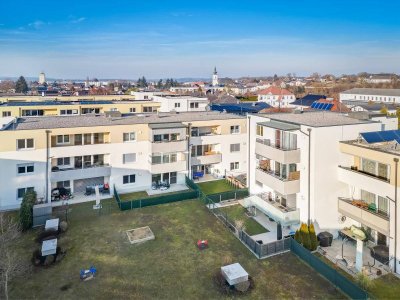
(202,244)
(88,274)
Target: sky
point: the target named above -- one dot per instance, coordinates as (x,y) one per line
(160,39)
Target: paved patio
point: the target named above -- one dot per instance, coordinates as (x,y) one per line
(206,177)
(334,254)
(80,198)
(172,188)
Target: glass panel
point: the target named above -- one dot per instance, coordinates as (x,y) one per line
(29,143)
(383,171)
(21,144)
(156,178)
(157,137)
(78,139)
(87,161)
(87,137)
(368,166)
(78,162)
(173,178)
(367,197)
(383,205)
(174,157)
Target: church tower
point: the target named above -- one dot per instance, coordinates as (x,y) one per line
(215,77)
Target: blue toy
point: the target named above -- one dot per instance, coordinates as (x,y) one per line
(88,274)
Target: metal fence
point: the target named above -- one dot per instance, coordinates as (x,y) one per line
(265,250)
(337,279)
(237,194)
(193,193)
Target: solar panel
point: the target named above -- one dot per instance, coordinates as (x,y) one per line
(324,106)
(313,104)
(381,136)
(330,105)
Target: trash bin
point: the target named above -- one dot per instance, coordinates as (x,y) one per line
(325,239)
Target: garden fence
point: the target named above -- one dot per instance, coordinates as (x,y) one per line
(193,193)
(230,195)
(337,279)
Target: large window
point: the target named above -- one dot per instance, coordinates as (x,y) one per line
(65,112)
(167,137)
(194,104)
(260,130)
(234,166)
(235,147)
(25,168)
(63,139)
(6,114)
(129,137)
(63,161)
(64,184)
(32,112)
(25,144)
(235,129)
(129,158)
(98,138)
(89,110)
(149,109)
(21,192)
(127,179)
(375,168)
(164,158)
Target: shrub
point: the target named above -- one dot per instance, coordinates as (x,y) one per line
(297,237)
(25,213)
(63,226)
(364,281)
(305,236)
(313,237)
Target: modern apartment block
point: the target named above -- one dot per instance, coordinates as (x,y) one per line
(371,94)
(181,103)
(370,172)
(64,108)
(293,163)
(130,152)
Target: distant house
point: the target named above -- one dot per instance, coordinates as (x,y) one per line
(307,100)
(371,94)
(373,107)
(276,96)
(380,78)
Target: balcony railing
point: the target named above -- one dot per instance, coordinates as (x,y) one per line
(356,170)
(169,141)
(84,166)
(267,142)
(294,175)
(366,207)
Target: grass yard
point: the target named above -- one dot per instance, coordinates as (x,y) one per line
(237,212)
(215,186)
(169,267)
(144,195)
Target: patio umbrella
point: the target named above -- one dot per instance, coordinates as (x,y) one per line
(279,231)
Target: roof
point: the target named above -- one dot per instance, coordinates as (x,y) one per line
(50,122)
(371,106)
(59,103)
(166,125)
(240,107)
(334,105)
(308,99)
(274,90)
(373,91)
(316,118)
(280,125)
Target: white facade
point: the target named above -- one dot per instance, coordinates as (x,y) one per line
(366,94)
(288,187)
(277,100)
(215,77)
(42,78)
(181,103)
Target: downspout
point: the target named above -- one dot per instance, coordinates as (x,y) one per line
(189,128)
(248,151)
(47,164)
(396,161)
(309,176)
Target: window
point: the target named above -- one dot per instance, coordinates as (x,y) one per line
(235,147)
(87,139)
(148,109)
(260,130)
(129,137)
(128,158)
(63,139)
(32,112)
(177,105)
(129,179)
(65,112)
(234,166)
(374,168)
(367,197)
(98,138)
(21,192)
(25,168)
(63,161)
(25,144)
(78,139)
(90,111)
(113,109)
(383,205)
(6,114)
(235,129)
(65,184)
(132,109)
(194,104)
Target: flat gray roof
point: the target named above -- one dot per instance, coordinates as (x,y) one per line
(373,91)
(280,125)
(43,122)
(315,118)
(166,125)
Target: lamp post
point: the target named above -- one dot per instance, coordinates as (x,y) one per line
(47,165)
(396,162)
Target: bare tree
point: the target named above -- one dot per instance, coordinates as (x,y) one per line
(11,265)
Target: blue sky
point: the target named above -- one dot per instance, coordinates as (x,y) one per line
(127,39)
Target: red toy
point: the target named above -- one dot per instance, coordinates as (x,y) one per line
(202,244)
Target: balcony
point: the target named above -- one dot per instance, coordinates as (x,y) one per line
(169,146)
(365,181)
(282,186)
(80,173)
(285,215)
(266,149)
(177,166)
(210,157)
(358,211)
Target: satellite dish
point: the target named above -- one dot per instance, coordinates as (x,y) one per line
(342,219)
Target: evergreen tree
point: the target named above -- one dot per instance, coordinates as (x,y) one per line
(144,82)
(313,238)
(159,84)
(21,86)
(305,236)
(25,212)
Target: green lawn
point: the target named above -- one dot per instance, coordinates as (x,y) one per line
(237,212)
(143,195)
(215,186)
(170,267)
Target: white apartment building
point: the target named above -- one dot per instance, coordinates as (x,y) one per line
(293,163)
(182,103)
(371,94)
(276,97)
(130,152)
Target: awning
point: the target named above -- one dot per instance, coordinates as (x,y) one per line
(280,125)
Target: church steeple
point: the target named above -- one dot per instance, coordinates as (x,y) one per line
(215,77)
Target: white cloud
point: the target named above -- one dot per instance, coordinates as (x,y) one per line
(78,20)
(37,24)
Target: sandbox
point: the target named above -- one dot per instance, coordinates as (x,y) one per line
(139,235)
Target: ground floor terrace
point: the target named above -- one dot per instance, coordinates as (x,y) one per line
(169,267)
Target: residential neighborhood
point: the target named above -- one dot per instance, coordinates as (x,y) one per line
(199,150)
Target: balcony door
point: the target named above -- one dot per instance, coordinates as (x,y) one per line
(277,138)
